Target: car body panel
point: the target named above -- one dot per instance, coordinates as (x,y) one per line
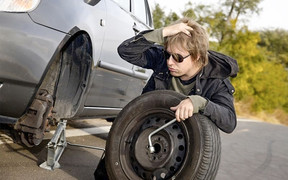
(107,32)
(73,13)
(26,49)
(32,40)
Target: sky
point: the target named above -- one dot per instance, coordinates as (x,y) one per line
(273,14)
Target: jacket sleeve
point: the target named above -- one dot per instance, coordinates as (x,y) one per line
(142,52)
(220,107)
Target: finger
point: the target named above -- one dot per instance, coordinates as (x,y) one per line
(186,113)
(188,29)
(177,115)
(182,114)
(187,33)
(191,113)
(174,108)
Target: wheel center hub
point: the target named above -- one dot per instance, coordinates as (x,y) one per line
(169,145)
(161,143)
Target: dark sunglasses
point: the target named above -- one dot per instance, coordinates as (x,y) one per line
(177,57)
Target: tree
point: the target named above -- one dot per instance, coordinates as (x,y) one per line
(276,42)
(270,86)
(172,16)
(236,8)
(158,17)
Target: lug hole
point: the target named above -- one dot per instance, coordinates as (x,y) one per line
(180,136)
(178,159)
(172,168)
(181,148)
(175,127)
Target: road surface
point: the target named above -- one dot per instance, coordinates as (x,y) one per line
(254,151)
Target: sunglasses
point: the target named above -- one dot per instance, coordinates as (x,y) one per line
(177,57)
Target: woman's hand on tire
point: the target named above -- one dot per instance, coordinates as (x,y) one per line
(183,110)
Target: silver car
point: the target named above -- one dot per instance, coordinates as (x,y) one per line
(59,60)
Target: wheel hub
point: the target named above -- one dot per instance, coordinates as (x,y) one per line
(162,144)
(170,149)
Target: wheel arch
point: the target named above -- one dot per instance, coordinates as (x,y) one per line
(60,92)
(54,75)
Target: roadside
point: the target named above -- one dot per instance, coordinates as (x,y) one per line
(276,117)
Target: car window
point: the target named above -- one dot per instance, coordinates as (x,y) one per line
(139,10)
(124,4)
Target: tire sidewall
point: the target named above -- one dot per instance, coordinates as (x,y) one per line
(141,106)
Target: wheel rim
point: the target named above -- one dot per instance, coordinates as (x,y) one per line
(170,147)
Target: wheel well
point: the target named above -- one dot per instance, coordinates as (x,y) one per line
(68,75)
(60,93)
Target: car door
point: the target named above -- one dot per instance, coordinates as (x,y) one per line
(142,21)
(113,80)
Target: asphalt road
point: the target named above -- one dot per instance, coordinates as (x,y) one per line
(254,151)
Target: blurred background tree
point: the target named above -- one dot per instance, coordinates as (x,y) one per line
(276,42)
(262,82)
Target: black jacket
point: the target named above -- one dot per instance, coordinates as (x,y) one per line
(212,82)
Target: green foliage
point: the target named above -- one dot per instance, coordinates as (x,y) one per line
(171,18)
(158,17)
(261,56)
(236,8)
(262,81)
(270,86)
(242,47)
(189,11)
(276,42)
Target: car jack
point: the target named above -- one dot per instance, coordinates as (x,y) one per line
(57,145)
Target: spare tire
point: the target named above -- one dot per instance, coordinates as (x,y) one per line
(187,150)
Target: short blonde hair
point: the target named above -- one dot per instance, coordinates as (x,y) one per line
(197,44)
